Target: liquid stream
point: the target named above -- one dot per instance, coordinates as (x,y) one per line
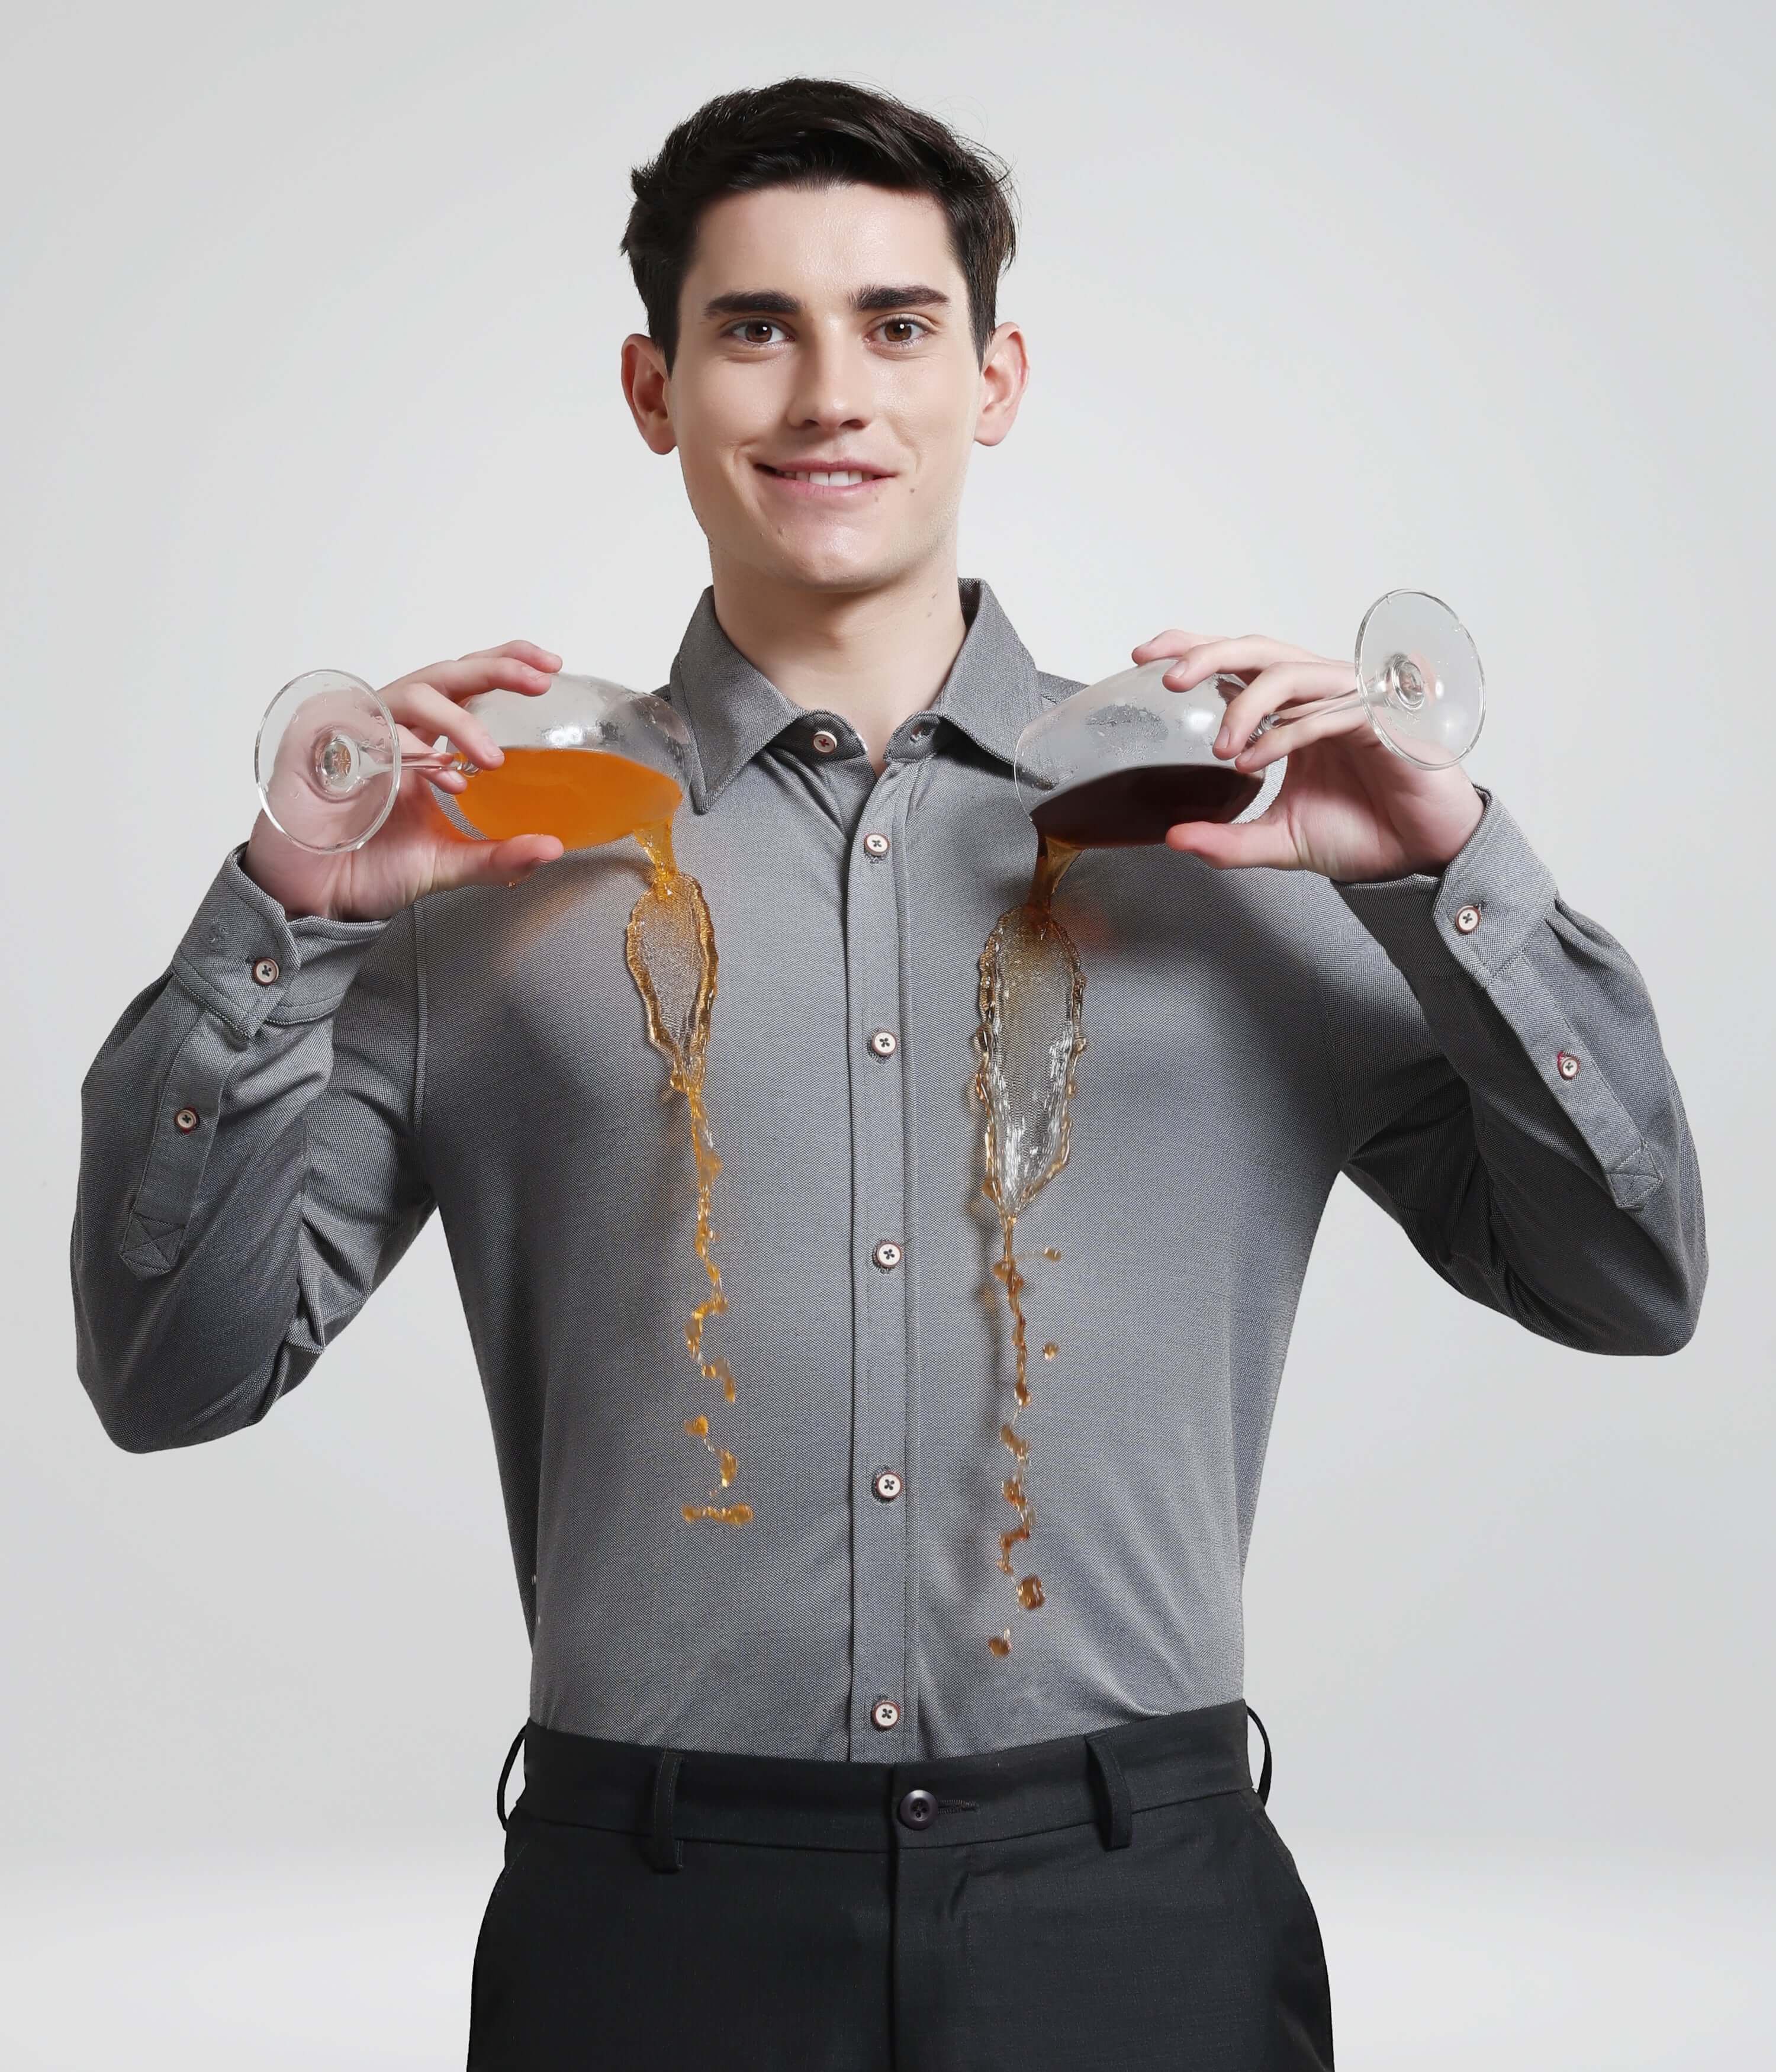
(670,944)
(587,797)
(1031,1036)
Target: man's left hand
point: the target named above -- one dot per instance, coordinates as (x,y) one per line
(1349,807)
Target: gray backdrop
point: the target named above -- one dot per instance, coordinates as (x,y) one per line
(308,354)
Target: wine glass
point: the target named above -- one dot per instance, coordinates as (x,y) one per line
(586,760)
(1119,763)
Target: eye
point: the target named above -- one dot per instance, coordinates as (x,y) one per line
(922,330)
(754,323)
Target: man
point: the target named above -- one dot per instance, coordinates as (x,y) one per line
(782,1801)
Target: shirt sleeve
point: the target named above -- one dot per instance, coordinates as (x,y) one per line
(1512,1105)
(249,1164)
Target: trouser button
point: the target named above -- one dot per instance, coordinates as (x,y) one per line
(917,1809)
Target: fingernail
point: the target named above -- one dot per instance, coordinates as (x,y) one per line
(1221,741)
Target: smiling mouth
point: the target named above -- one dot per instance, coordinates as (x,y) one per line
(822,481)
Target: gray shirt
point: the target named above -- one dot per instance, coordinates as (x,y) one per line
(1252,1035)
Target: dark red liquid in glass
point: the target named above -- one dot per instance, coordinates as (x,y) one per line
(1125,808)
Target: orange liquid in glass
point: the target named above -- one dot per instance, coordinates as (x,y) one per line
(584,796)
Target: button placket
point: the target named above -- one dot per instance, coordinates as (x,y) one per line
(880,1550)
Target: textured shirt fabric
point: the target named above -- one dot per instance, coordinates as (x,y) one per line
(483,1055)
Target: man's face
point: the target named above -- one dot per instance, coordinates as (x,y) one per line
(778,369)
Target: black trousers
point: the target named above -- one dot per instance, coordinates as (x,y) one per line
(1116,1900)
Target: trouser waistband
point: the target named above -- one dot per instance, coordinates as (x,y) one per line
(675,1795)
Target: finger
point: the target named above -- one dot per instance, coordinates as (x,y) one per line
(1251,651)
(1173,641)
(1262,842)
(1293,735)
(424,707)
(472,674)
(507,862)
(1278,686)
(521,651)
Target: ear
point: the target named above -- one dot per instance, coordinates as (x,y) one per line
(1004,375)
(645,389)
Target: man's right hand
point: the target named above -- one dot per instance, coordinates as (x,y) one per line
(416,849)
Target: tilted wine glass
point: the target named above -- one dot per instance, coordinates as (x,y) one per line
(1119,762)
(586,760)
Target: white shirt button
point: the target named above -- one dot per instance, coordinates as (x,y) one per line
(886,1254)
(1566,1065)
(1467,919)
(884,1714)
(882,1042)
(185,1121)
(875,845)
(265,972)
(886,1485)
(823,740)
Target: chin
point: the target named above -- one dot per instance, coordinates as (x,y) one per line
(858,569)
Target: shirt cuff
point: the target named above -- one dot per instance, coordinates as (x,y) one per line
(1479,909)
(245,959)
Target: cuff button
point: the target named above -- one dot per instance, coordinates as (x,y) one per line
(185,1121)
(265,972)
(1566,1065)
(1467,919)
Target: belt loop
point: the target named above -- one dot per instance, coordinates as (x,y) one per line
(665,1853)
(1119,1810)
(1263,1775)
(499,1790)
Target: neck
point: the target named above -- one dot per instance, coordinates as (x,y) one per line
(874,657)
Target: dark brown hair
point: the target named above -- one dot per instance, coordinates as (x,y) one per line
(814,133)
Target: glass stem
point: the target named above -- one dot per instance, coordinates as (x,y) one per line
(438,759)
(1285,714)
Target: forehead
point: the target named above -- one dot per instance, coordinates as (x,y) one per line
(831,237)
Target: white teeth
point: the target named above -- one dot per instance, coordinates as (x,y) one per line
(842,477)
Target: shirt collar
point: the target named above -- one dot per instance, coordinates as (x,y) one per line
(734,710)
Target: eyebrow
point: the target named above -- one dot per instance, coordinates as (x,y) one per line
(773,302)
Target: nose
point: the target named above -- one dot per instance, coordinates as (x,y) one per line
(831,383)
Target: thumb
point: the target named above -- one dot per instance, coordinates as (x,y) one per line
(463,861)
(1264,841)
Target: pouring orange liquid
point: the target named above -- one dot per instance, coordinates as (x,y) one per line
(586,797)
